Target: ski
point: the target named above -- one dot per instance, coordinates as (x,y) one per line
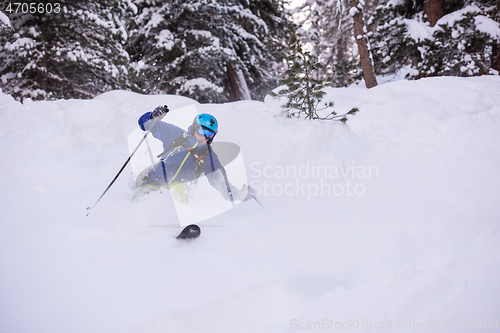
(190,232)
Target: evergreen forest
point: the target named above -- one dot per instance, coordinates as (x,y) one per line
(229,50)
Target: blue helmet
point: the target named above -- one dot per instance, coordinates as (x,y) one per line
(206,124)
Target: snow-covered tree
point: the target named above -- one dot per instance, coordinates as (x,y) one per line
(337,34)
(212,51)
(461,43)
(68,50)
(393,46)
(326,26)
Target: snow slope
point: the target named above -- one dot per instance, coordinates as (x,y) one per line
(388,222)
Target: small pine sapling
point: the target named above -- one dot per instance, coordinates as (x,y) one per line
(303,91)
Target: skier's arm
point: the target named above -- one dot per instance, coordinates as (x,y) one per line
(218,181)
(217,177)
(159,130)
(162,131)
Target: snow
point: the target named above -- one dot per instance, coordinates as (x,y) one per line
(6,77)
(355,50)
(132,6)
(412,241)
(419,31)
(20,43)
(247,13)
(395,3)
(155,20)
(4,19)
(200,83)
(488,26)
(165,39)
(202,33)
(457,15)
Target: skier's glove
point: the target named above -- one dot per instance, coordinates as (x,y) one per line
(250,194)
(160,112)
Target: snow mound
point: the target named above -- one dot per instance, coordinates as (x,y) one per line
(391,219)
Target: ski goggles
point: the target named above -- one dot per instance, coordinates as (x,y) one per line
(208,134)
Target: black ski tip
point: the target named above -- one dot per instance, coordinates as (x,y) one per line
(190,232)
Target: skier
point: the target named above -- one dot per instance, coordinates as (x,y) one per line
(187,155)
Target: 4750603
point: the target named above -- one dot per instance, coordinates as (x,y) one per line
(472,324)
(33,7)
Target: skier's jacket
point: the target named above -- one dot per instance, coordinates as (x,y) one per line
(179,164)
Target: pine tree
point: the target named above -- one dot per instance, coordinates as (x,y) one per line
(210,51)
(75,51)
(459,48)
(462,42)
(393,46)
(327,27)
(304,92)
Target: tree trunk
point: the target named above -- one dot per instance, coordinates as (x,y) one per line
(434,11)
(308,98)
(495,56)
(495,52)
(362,41)
(232,77)
(42,70)
(341,49)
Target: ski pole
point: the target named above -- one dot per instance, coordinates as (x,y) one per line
(255,197)
(123,167)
